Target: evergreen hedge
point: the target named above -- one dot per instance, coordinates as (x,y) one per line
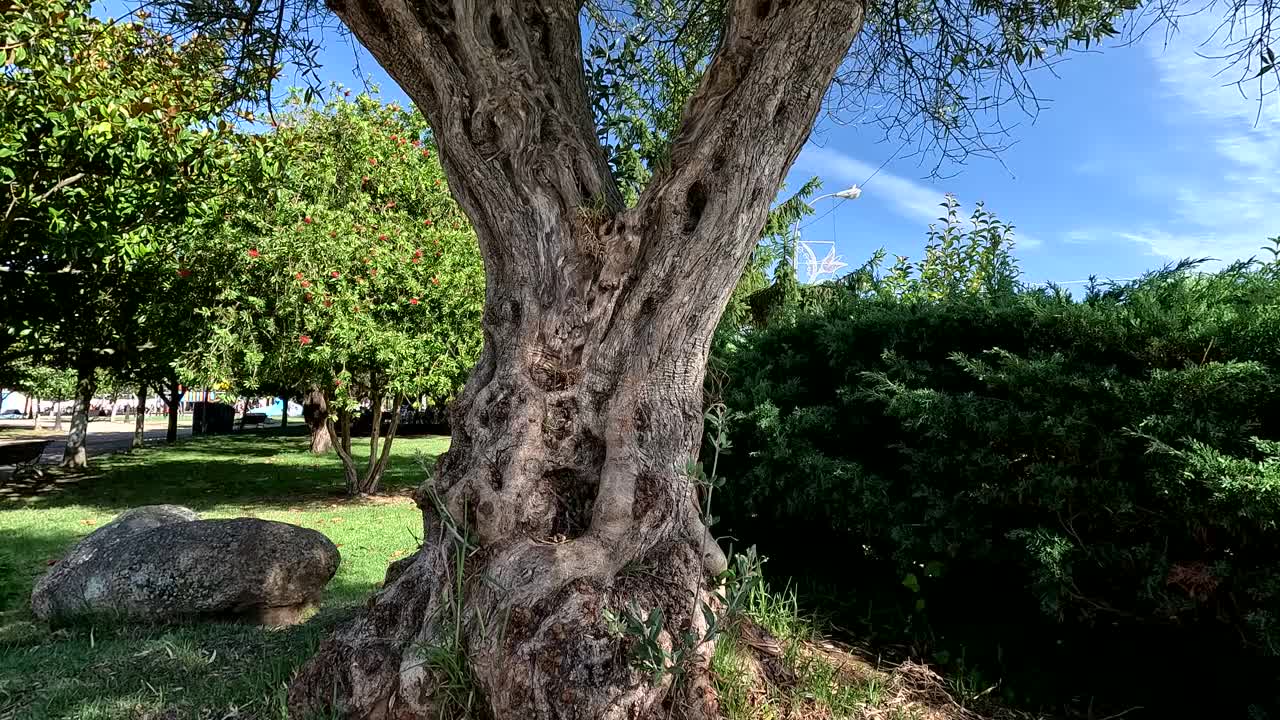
(1064,477)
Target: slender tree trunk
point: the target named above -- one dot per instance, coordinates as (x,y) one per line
(284,412)
(345,427)
(74,454)
(375,430)
(115,398)
(57,414)
(562,495)
(174,402)
(36,414)
(315,411)
(373,478)
(140,417)
(350,476)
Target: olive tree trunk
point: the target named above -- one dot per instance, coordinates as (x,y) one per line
(563,496)
(74,454)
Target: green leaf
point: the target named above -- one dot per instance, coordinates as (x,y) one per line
(911,583)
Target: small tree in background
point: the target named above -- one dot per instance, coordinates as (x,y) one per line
(354,277)
(109,133)
(48,383)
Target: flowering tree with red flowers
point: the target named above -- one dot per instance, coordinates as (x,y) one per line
(354,278)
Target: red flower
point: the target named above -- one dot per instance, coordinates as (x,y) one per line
(305,283)
(373,161)
(426,153)
(307,297)
(416,260)
(253,252)
(183,272)
(415,143)
(333,274)
(427,221)
(373,271)
(337,383)
(307,219)
(437,181)
(304,340)
(297,276)
(435,281)
(391,203)
(382,237)
(417,253)
(394,138)
(413,301)
(328,302)
(333,234)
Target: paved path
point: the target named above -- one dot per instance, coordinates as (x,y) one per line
(104,437)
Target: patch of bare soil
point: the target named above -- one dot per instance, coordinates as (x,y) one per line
(904,691)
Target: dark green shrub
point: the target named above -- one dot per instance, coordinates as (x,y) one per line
(1064,477)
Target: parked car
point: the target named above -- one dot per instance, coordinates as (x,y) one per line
(11,413)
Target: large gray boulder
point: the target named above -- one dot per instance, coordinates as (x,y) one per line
(162,563)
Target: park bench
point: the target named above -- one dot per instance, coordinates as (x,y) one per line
(23,455)
(253,419)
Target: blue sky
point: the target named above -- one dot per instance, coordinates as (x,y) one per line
(1146,155)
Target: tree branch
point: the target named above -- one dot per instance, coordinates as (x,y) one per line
(501,84)
(765,83)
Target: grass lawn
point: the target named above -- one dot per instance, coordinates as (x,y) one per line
(199,671)
(240,672)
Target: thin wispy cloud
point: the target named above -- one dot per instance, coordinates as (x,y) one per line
(907,198)
(1228,208)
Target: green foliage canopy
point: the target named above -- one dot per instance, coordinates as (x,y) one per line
(348,265)
(110,133)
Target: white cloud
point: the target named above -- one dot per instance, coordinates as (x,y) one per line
(908,198)
(1225,209)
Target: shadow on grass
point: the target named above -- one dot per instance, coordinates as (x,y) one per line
(196,670)
(159,671)
(248,470)
(175,671)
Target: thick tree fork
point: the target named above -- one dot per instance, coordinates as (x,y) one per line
(566,472)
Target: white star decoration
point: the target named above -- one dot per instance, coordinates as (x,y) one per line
(830,264)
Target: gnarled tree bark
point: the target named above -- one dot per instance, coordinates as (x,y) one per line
(566,472)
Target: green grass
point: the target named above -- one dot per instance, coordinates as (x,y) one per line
(240,672)
(823,682)
(214,671)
